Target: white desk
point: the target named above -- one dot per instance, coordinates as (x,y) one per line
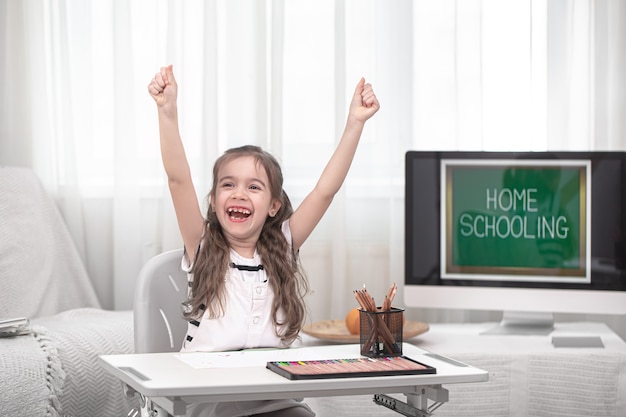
(531,377)
(528,376)
(467,338)
(173,380)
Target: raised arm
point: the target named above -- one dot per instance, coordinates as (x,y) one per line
(164,91)
(363,106)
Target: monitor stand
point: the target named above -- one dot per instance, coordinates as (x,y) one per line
(523,323)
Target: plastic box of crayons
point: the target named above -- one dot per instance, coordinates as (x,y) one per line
(350,368)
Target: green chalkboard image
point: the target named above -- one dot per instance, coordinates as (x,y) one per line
(517,218)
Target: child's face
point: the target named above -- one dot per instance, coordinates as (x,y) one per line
(243,200)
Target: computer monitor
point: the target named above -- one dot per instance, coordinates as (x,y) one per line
(531,233)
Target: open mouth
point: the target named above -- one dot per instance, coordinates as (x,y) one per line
(238,213)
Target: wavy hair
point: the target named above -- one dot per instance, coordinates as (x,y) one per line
(280,262)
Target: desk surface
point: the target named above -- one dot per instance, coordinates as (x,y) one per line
(450,339)
(528,375)
(242,375)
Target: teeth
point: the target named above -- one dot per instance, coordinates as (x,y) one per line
(238,210)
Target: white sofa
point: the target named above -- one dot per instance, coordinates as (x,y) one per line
(52,370)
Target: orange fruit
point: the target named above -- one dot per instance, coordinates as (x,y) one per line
(353,321)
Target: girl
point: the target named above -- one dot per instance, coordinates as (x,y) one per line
(246,285)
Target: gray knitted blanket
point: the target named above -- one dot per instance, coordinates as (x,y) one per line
(41,272)
(53,371)
(31,375)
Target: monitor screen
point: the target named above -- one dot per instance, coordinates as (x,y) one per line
(530,232)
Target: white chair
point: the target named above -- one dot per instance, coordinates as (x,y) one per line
(161,289)
(159,325)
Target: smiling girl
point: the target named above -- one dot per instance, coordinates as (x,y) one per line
(246,285)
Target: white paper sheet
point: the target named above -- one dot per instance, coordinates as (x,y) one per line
(251,357)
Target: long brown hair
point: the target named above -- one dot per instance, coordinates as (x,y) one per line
(280,262)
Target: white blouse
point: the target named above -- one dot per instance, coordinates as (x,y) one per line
(247,319)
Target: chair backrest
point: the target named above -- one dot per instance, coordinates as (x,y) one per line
(161,288)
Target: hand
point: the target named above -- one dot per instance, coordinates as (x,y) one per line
(163,87)
(364,102)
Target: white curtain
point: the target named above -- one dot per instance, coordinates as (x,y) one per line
(472,74)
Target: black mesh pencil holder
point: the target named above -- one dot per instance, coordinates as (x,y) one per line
(381,332)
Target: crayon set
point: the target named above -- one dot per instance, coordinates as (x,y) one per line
(350,368)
